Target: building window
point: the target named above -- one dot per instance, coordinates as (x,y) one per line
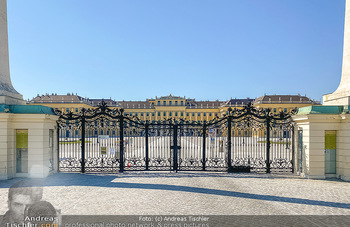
(67,110)
(136,114)
(164,103)
(175,103)
(175,114)
(164,114)
(76,110)
(158,114)
(182,114)
(199,114)
(147,114)
(170,114)
(130,114)
(170,102)
(182,103)
(285,110)
(274,110)
(209,114)
(188,114)
(153,114)
(158,103)
(192,114)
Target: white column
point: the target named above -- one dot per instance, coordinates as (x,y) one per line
(342,95)
(344,86)
(8,95)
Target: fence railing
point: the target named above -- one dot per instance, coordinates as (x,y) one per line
(105,139)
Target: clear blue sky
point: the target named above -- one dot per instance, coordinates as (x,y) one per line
(202,49)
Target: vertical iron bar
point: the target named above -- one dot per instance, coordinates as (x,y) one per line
(83,144)
(293,152)
(229,128)
(147,155)
(121,143)
(175,147)
(268,144)
(58,147)
(204,137)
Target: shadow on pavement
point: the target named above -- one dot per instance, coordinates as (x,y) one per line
(99,180)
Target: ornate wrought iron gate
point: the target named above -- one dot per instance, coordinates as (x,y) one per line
(108,140)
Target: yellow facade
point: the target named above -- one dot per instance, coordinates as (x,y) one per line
(65,107)
(174,107)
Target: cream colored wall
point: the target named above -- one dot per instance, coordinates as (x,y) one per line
(38,126)
(314,127)
(343,145)
(7,158)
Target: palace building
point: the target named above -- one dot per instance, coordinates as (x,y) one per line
(164,107)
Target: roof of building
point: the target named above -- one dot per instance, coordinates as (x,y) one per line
(323,110)
(54,98)
(135,104)
(189,103)
(238,102)
(170,97)
(284,99)
(26,109)
(97,102)
(205,104)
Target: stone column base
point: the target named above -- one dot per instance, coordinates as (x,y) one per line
(11,100)
(336,100)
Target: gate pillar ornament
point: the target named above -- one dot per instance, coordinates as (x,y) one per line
(8,95)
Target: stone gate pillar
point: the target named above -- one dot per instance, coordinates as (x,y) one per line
(323,141)
(28,146)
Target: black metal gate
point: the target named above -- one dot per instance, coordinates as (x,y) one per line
(108,140)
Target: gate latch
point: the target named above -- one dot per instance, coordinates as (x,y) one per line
(173,147)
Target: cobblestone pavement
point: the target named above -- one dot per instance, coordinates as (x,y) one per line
(191,193)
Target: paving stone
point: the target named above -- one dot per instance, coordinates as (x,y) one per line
(191,193)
